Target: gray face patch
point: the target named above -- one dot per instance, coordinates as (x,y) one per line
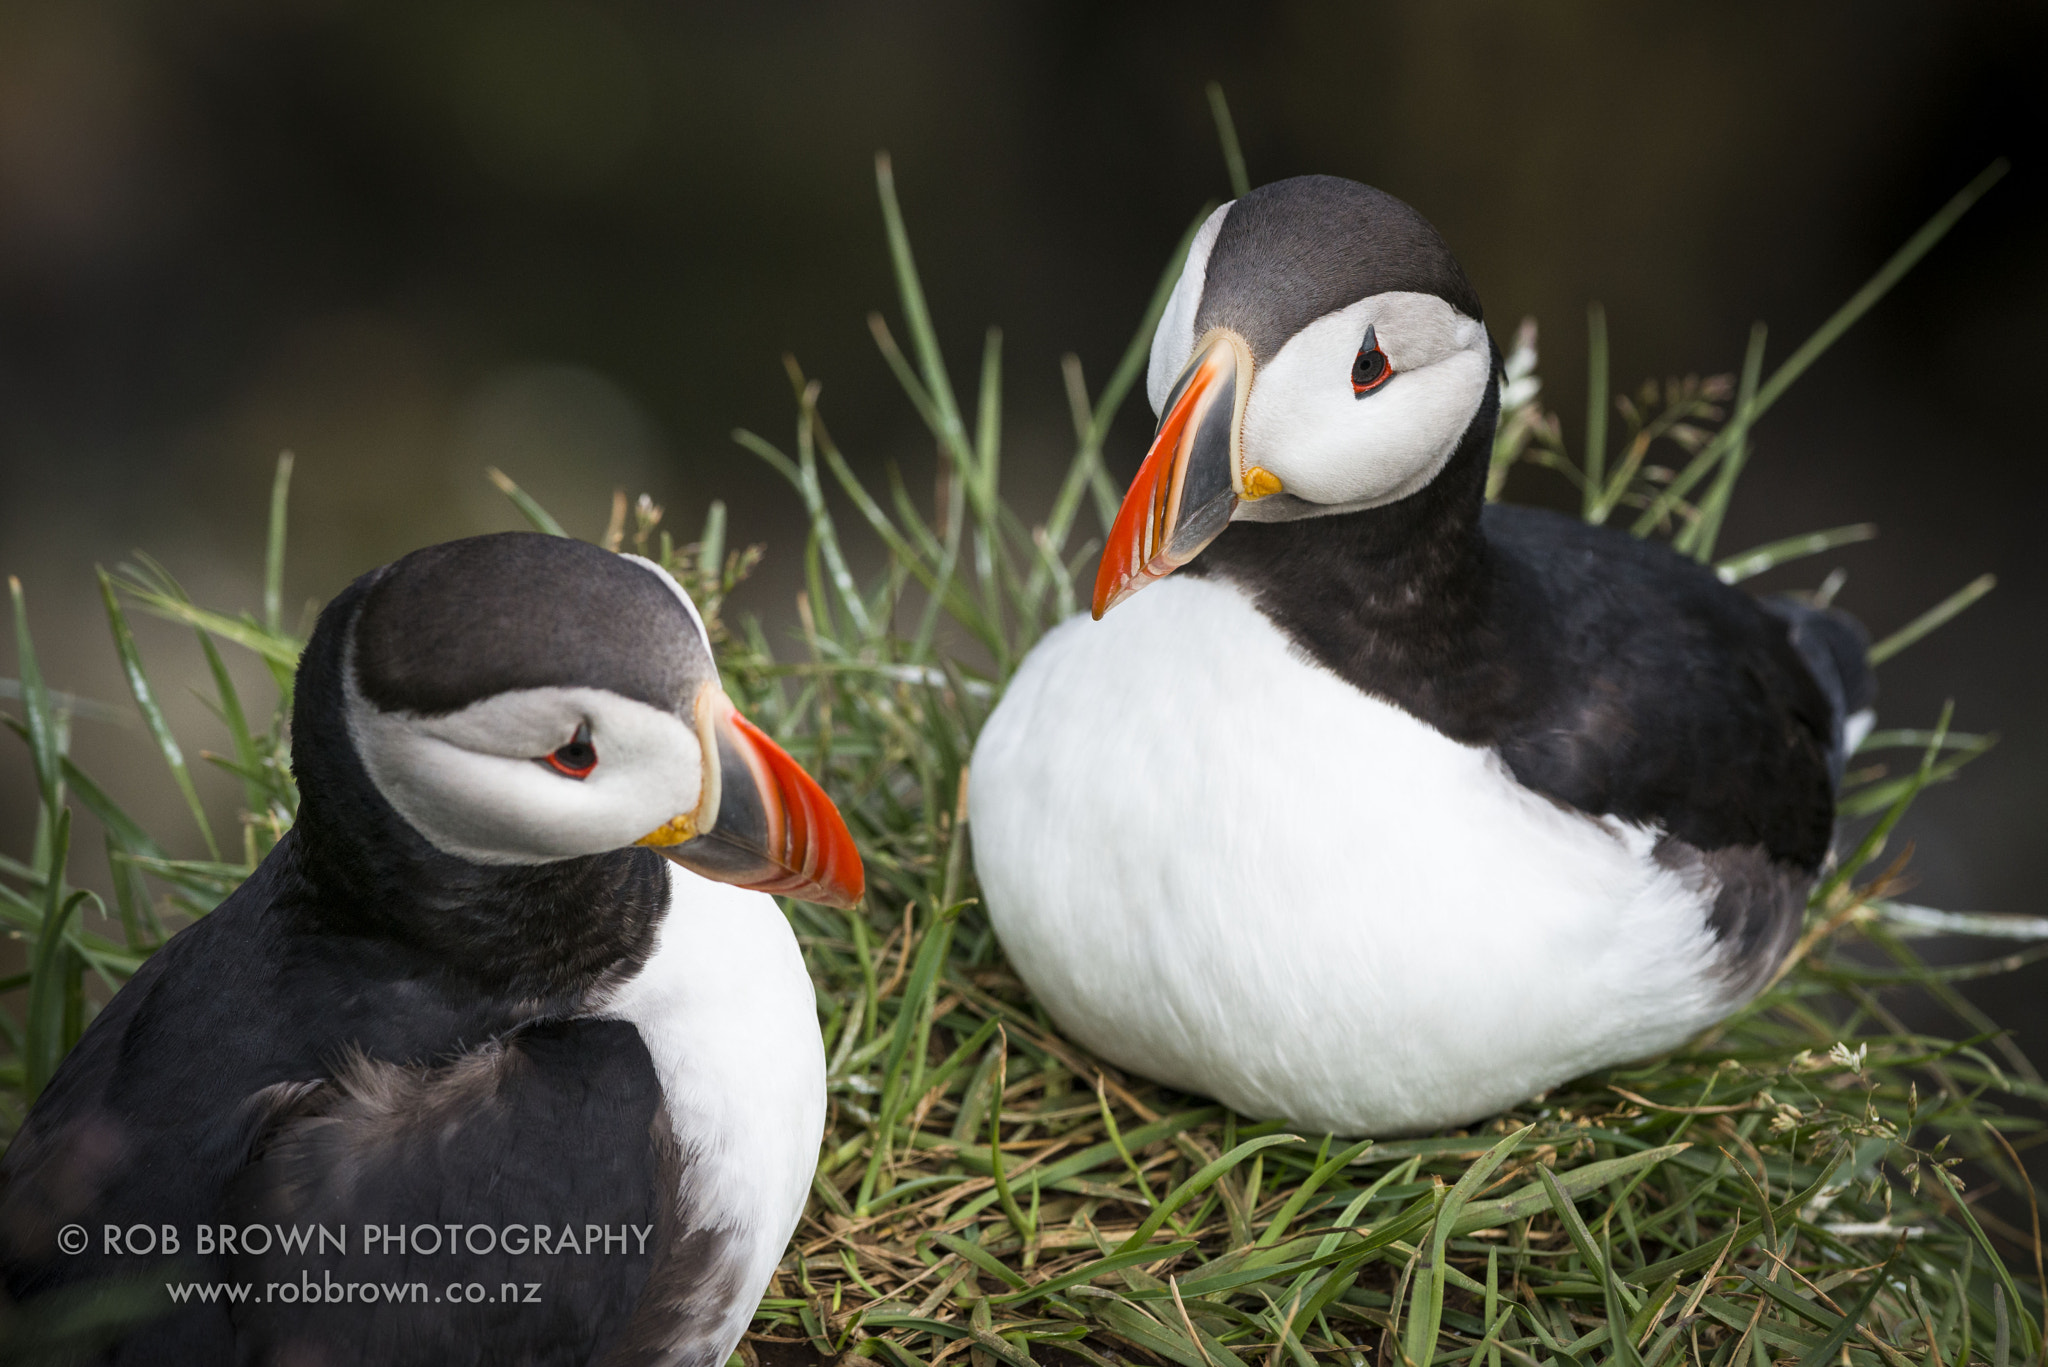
(466,620)
(1293,251)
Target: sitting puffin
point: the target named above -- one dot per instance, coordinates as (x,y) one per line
(465,1041)
(1392,809)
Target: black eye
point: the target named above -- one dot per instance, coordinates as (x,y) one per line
(1371,369)
(577,758)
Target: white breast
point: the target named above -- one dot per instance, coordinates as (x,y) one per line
(1221,866)
(729,1016)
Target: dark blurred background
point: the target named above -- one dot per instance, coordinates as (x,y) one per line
(408,241)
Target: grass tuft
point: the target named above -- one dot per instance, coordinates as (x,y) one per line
(1783,1189)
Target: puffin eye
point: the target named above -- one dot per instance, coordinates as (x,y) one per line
(1371,369)
(577,758)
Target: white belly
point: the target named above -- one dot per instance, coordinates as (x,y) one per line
(1223,867)
(727,1011)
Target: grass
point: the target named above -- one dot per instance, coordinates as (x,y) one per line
(1783,1189)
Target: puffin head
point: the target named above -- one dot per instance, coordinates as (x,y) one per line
(521,699)
(1322,353)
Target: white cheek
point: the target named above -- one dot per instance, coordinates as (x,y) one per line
(1330,446)
(1173,341)
(469,782)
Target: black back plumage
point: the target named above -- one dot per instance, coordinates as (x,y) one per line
(360,964)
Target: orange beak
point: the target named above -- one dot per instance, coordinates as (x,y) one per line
(761,822)
(1191,480)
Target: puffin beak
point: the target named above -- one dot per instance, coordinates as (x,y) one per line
(761,822)
(1192,479)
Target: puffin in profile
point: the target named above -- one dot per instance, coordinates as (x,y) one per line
(467,1071)
(1389,808)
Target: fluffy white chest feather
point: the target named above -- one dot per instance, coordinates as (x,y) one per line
(1221,866)
(729,1016)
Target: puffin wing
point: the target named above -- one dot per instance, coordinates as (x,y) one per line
(1668,696)
(514,1205)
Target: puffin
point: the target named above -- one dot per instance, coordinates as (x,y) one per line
(505,1053)
(1362,803)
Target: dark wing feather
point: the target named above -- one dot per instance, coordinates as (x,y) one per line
(1669,696)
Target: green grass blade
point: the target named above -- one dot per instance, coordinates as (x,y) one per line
(711,553)
(1086,474)
(1200,1182)
(1149,1334)
(1831,1346)
(120,826)
(823,530)
(1582,1238)
(981,1258)
(948,590)
(1750,563)
(1825,336)
(1863,801)
(39,720)
(802,475)
(1934,617)
(536,516)
(1425,1316)
(1622,1347)
(248,759)
(913,388)
(1123,1150)
(912,1019)
(1698,539)
(1880,284)
(1425,1302)
(988,424)
(1577,1183)
(989,566)
(967,1049)
(937,580)
(1021,1223)
(45,1024)
(917,317)
(1597,502)
(1088,1272)
(1397,1175)
(152,714)
(1226,136)
(2032,1331)
(275,649)
(90,709)
(273,548)
(1138,351)
(767,451)
(131,899)
(1335,1164)
(1733,1241)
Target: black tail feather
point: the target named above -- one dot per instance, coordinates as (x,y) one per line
(1836,649)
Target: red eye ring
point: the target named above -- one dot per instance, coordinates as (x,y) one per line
(576,758)
(1371,369)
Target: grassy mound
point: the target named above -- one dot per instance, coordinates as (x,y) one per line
(1782,1188)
